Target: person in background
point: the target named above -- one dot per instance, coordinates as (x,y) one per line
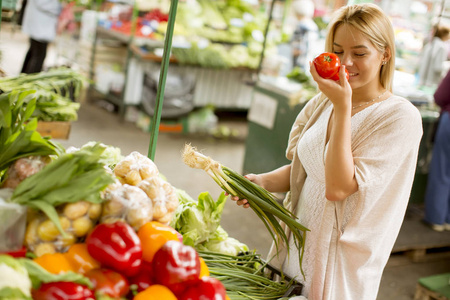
(305,34)
(434,54)
(353,150)
(437,196)
(39,23)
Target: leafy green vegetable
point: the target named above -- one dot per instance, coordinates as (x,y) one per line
(51,106)
(18,276)
(18,135)
(197,221)
(224,244)
(63,81)
(110,156)
(14,281)
(39,275)
(8,293)
(54,89)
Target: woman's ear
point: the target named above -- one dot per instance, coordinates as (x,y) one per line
(387,54)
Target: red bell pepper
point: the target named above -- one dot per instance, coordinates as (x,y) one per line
(17,253)
(176,266)
(108,282)
(116,246)
(62,291)
(144,278)
(207,288)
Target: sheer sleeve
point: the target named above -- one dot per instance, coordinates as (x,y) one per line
(388,141)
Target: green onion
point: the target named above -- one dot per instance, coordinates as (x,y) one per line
(245,276)
(263,203)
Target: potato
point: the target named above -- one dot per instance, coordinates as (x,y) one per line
(44,248)
(81,226)
(94,211)
(31,236)
(68,240)
(76,210)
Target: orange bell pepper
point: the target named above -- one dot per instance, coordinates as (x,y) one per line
(153,236)
(226,297)
(204,271)
(80,258)
(156,292)
(55,263)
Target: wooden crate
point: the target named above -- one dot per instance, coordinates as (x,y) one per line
(56,130)
(436,287)
(422,293)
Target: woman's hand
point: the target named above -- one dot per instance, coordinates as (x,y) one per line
(339,92)
(244,202)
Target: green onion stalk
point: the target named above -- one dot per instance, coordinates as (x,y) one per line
(246,276)
(262,202)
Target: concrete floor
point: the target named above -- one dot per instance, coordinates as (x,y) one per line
(97,124)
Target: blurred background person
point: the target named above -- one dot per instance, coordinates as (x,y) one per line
(305,34)
(40,21)
(437,197)
(434,54)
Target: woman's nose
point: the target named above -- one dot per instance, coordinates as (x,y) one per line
(346,60)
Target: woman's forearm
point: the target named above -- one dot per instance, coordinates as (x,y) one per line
(278,180)
(340,179)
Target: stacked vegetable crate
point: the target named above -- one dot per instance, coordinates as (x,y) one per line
(57,92)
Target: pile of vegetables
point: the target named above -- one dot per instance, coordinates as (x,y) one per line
(55,91)
(220,34)
(70,178)
(263,203)
(97,224)
(114,263)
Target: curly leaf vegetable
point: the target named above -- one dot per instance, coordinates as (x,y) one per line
(263,203)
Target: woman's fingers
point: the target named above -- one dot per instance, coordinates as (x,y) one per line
(240,202)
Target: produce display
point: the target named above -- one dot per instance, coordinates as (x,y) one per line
(55,92)
(99,225)
(208,33)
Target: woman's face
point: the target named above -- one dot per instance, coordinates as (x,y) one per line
(362,60)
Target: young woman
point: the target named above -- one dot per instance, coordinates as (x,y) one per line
(353,151)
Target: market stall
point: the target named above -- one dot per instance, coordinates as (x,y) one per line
(218,44)
(90,223)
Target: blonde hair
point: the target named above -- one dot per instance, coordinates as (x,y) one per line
(373,23)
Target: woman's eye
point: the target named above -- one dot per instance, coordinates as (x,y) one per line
(338,52)
(360,54)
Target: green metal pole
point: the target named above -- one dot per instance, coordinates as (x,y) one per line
(1,9)
(266,31)
(162,80)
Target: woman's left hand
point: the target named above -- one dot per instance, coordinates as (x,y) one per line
(339,92)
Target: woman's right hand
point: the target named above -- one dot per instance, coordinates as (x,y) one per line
(257,179)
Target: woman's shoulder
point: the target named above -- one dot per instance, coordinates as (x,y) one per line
(399,103)
(401,109)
